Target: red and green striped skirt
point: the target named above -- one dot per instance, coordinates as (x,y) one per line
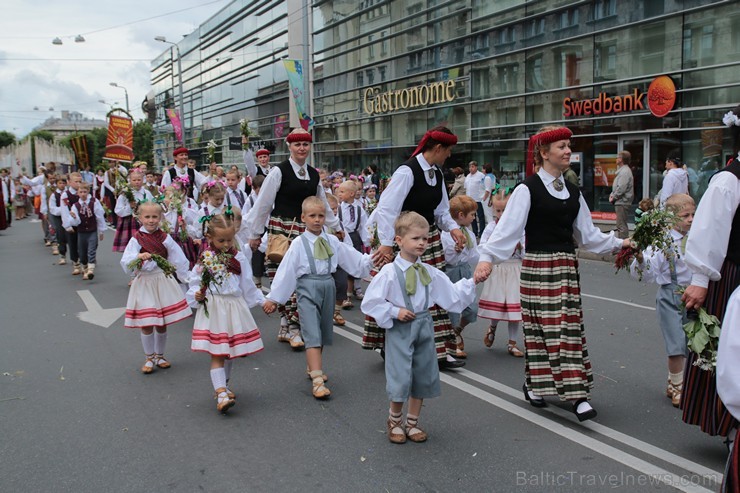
(444,339)
(290,227)
(699,401)
(556,356)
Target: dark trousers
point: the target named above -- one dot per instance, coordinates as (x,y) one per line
(9,213)
(258,264)
(340,281)
(480,221)
(623,230)
(74,252)
(112,198)
(87,245)
(61,236)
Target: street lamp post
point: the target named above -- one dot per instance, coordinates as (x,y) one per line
(162,39)
(114,84)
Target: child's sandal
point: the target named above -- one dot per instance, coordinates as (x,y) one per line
(459,344)
(513,350)
(161,362)
(223,401)
(148,364)
(396,433)
(319,390)
(490,336)
(413,432)
(323,375)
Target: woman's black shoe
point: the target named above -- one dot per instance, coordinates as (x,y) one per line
(538,402)
(591,413)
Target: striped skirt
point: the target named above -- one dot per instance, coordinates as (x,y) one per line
(500,299)
(556,356)
(699,401)
(229,329)
(155,300)
(125,229)
(290,227)
(444,339)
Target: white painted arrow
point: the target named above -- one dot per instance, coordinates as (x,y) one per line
(95,313)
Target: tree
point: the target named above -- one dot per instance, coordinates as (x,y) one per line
(144,142)
(95,145)
(41,134)
(6,138)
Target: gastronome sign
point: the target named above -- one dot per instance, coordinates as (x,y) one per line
(376,102)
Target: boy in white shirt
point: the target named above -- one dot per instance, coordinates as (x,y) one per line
(399,298)
(354,222)
(671,274)
(307,270)
(59,247)
(88,218)
(235,197)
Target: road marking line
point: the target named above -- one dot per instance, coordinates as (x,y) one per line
(615,435)
(644,307)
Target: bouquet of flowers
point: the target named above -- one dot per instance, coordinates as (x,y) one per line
(214,272)
(653,230)
(702,333)
(211,147)
(244,129)
(123,187)
(162,263)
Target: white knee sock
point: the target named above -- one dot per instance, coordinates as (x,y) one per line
(147,342)
(218,378)
(160,340)
(227,368)
(675,378)
(514,328)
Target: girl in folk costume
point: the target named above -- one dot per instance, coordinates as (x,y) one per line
(370,201)
(213,205)
(286,187)
(552,212)
(179,216)
(418,185)
(499,299)
(88,217)
(155,300)
(713,254)
(126,203)
(98,185)
(222,291)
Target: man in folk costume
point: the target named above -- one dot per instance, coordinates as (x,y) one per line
(418,185)
(553,213)
(181,169)
(285,188)
(713,254)
(109,187)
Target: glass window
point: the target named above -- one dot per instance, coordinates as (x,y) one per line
(702,42)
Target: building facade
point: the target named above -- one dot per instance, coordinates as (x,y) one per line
(494,72)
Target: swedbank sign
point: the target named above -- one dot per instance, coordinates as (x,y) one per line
(376,102)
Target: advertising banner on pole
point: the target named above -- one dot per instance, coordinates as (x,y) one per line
(295,79)
(174,117)
(120,141)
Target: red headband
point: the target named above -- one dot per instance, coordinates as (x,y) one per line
(180,150)
(447,140)
(544,138)
(262,152)
(298,137)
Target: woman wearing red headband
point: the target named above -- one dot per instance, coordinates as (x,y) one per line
(280,198)
(417,185)
(552,213)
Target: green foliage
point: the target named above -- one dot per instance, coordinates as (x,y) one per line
(144,142)
(6,138)
(41,134)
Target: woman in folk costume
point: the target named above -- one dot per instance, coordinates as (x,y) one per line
(552,212)
(713,254)
(285,188)
(418,185)
(127,224)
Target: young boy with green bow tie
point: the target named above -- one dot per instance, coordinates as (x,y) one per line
(399,298)
(307,269)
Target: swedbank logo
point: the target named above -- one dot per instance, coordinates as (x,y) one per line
(375,102)
(661,97)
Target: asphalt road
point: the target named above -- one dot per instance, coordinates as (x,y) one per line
(76,415)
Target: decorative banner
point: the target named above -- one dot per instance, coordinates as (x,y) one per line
(174,117)
(79,146)
(120,141)
(295,79)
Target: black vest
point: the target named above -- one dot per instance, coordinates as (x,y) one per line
(87,224)
(733,247)
(58,197)
(550,221)
(191,177)
(293,191)
(72,199)
(423,198)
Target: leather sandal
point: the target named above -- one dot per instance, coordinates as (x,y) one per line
(323,375)
(148,364)
(396,433)
(490,336)
(339,319)
(223,401)
(161,362)
(459,344)
(513,350)
(413,432)
(319,390)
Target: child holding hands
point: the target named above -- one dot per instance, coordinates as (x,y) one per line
(88,218)
(222,291)
(399,298)
(307,269)
(671,274)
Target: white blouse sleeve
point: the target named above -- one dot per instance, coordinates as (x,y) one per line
(193,279)
(509,229)
(356,264)
(257,217)
(284,283)
(651,266)
(589,236)
(177,258)
(451,297)
(123,208)
(249,163)
(728,369)
(375,302)
(252,295)
(129,255)
(391,202)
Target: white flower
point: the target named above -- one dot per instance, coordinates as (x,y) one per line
(731,119)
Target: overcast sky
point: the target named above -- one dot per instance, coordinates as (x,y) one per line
(36,73)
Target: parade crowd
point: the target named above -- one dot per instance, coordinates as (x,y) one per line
(203,243)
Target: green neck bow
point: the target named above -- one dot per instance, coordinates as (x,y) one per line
(411,273)
(321,249)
